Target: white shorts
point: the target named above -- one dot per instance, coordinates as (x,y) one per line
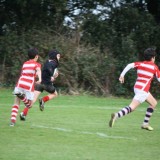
(140,95)
(29,94)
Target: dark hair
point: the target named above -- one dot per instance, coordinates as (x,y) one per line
(53,54)
(149,53)
(32,52)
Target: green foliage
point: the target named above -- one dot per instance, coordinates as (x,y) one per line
(93,71)
(80,67)
(21,15)
(125,36)
(153,7)
(94,51)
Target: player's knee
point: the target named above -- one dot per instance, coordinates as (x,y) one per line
(55,94)
(155,103)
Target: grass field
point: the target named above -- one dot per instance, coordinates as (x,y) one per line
(76,128)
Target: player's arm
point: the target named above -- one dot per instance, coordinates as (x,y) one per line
(56,73)
(125,70)
(158,74)
(38,73)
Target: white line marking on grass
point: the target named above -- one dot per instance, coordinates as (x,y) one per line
(99,134)
(54,128)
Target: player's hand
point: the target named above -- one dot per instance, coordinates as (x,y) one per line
(56,74)
(121,79)
(38,82)
(52,79)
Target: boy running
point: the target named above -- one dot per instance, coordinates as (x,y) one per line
(24,89)
(49,74)
(145,73)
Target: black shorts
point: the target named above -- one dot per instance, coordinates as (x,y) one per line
(42,87)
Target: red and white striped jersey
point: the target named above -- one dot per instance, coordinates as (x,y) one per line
(28,74)
(145,73)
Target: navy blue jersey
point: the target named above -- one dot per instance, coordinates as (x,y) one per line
(48,70)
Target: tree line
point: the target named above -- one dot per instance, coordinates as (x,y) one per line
(96,38)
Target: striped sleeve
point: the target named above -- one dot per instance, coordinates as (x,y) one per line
(127,68)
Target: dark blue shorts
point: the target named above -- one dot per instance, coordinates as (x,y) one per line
(47,88)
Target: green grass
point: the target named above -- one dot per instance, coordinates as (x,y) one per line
(76,128)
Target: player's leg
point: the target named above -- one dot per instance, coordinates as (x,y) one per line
(30,99)
(28,104)
(24,113)
(152,104)
(124,111)
(21,94)
(43,100)
(140,97)
(14,111)
(36,95)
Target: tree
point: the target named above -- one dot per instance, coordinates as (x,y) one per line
(153,7)
(126,37)
(22,15)
(98,41)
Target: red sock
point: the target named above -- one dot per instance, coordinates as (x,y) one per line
(25,111)
(14,113)
(46,98)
